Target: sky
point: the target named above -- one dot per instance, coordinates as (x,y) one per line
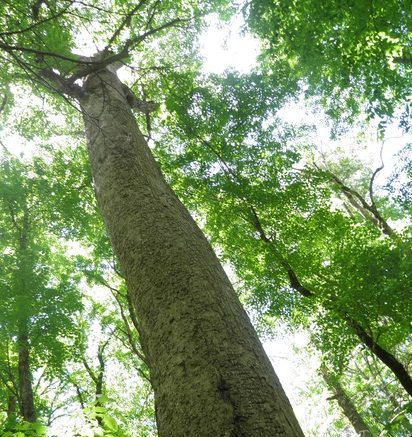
(223,46)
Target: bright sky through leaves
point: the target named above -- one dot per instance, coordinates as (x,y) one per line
(227,47)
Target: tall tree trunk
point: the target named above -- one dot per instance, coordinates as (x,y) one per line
(210,374)
(28,410)
(346,404)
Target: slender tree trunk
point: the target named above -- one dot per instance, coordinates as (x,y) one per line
(347,405)
(100,376)
(210,374)
(100,380)
(28,410)
(11,408)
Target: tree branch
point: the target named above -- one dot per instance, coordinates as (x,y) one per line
(124,52)
(12,48)
(293,278)
(62,85)
(89,370)
(128,331)
(126,22)
(369,212)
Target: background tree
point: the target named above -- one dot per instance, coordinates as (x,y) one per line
(39,290)
(62,320)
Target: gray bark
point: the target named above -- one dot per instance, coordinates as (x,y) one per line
(210,374)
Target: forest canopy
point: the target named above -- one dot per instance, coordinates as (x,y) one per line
(130,174)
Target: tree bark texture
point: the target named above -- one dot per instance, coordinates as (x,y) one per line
(347,405)
(210,374)
(28,410)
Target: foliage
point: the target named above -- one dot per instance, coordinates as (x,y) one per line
(56,192)
(23,429)
(376,393)
(39,289)
(102,423)
(348,53)
(234,173)
(248,178)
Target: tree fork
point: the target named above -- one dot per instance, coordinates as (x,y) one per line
(209,371)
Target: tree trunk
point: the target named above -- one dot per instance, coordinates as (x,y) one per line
(210,374)
(11,408)
(347,405)
(100,380)
(28,410)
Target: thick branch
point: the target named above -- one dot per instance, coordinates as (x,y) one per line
(63,85)
(33,75)
(89,371)
(387,358)
(12,48)
(403,60)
